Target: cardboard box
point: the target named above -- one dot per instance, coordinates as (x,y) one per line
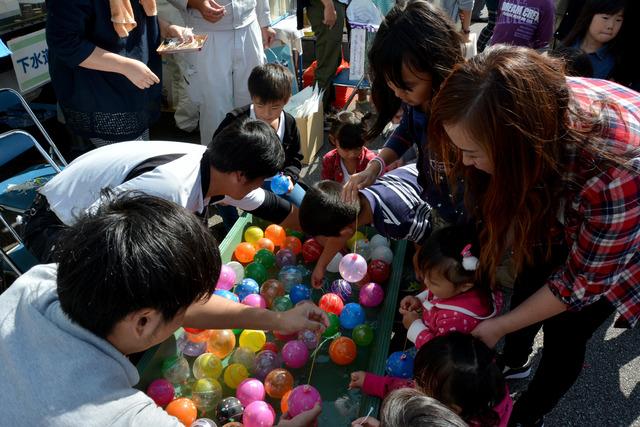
(311,134)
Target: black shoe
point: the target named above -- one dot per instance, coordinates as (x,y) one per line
(479,19)
(517,372)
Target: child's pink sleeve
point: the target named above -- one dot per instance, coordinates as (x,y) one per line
(380,386)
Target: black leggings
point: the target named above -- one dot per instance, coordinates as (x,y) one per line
(564,346)
(41,230)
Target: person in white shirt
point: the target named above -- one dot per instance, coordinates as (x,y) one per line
(237,31)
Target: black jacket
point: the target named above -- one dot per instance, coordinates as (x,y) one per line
(290,141)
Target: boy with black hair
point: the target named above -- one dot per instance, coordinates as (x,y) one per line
(270,90)
(128,275)
(235,162)
(392,205)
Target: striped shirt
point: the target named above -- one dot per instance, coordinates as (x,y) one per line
(601,213)
(398,211)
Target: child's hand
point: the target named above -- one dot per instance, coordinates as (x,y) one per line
(317,277)
(291,184)
(409,317)
(357,379)
(409,304)
(365,422)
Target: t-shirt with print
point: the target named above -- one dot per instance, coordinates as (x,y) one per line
(526,23)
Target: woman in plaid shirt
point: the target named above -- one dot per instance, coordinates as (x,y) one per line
(552,167)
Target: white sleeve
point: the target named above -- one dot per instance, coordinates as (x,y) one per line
(422,296)
(414,330)
(262,11)
(147,414)
(250,202)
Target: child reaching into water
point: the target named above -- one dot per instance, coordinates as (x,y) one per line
(453,300)
(347,134)
(459,371)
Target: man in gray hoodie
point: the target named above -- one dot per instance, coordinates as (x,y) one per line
(128,276)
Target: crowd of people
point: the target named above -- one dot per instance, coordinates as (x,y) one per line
(528,155)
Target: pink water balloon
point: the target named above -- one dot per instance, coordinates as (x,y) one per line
(249,391)
(227,278)
(353,267)
(303,398)
(255,300)
(295,354)
(371,295)
(258,414)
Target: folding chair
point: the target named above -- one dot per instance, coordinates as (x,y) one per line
(18,191)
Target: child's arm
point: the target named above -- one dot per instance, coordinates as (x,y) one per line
(419,333)
(332,246)
(327,166)
(377,385)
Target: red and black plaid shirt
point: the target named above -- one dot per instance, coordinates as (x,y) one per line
(602,212)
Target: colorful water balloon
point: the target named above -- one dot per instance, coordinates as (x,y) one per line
(204,422)
(161,391)
(227,278)
(244,356)
(248,286)
(206,393)
(352,267)
(383,253)
(265,243)
(256,271)
(331,303)
(276,234)
(379,271)
(250,390)
(362,335)
(379,240)
(371,295)
(252,339)
(253,234)
(285,257)
(282,303)
(255,300)
(363,248)
(278,382)
(303,398)
(176,369)
(342,288)
(352,315)
(258,414)
(265,258)
(311,250)
(234,374)
(192,348)
(221,342)
(244,252)
(358,235)
(280,184)
(238,269)
(270,345)
(334,325)
(293,244)
(270,290)
(229,409)
(183,409)
(290,276)
(284,402)
(266,361)
(295,354)
(227,294)
(343,351)
(400,364)
(299,293)
(309,338)
(207,365)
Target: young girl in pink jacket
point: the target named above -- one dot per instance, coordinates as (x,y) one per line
(454,300)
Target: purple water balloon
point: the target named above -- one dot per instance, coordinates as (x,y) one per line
(285,257)
(342,288)
(295,354)
(371,295)
(266,361)
(303,398)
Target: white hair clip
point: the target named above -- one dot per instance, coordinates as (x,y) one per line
(469,262)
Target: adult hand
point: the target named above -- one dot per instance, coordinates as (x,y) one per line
(268,36)
(489,331)
(360,180)
(317,277)
(330,15)
(209,9)
(409,317)
(182,33)
(305,315)
(139,74)
(366,422)
(465,36)
(357,379)
(408,304)
(303,419)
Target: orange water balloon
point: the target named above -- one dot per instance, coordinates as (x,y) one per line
(276,234)
(343,351)
(245,252)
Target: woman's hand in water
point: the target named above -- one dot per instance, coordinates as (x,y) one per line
(360,180)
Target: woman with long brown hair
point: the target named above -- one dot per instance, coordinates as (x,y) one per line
(552,167)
